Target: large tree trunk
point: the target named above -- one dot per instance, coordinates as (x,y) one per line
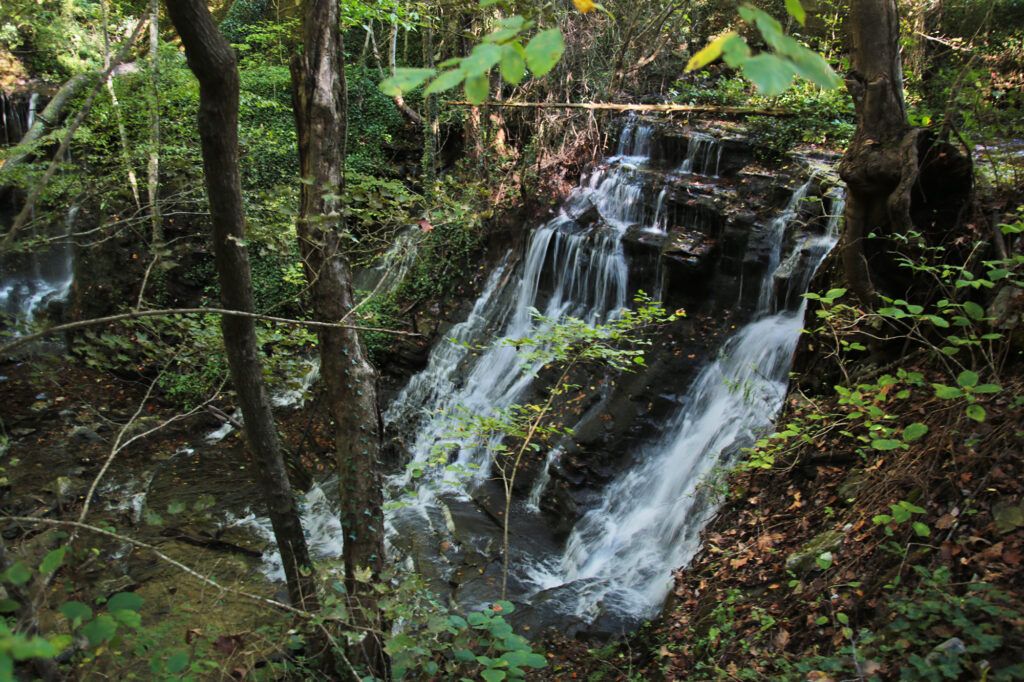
(349,380)
(898,177)
(213,63)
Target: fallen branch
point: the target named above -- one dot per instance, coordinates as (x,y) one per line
(82,324)
(652,108)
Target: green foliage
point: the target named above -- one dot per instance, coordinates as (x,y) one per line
(502,46)
(772,72)
(480,645)
(937,631)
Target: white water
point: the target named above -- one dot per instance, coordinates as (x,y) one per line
(701,150)
(320,524)
(566,272)
(31,281)
(621,554)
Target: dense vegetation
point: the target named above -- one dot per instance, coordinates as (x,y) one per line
(876,534)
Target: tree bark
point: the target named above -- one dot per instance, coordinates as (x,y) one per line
(318,79)
(213,63)
(886,160)
(153,169)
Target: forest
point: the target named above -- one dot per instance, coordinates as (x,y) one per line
(499,340)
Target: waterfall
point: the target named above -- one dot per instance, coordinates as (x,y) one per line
(567,271)
(29,282)
(700,150)
(620,555)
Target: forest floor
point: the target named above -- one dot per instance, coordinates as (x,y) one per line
(798,568)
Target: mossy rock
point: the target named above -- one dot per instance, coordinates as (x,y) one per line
(804,559)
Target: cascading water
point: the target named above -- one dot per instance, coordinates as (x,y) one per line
(29,282)
(620,555)
(588,274)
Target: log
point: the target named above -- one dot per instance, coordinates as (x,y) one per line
(650,108)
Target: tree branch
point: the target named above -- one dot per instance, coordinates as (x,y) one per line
(82,324)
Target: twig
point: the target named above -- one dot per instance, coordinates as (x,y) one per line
(82,324)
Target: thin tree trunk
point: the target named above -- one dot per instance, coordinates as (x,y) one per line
(122,133)
(153,171)
(318,78)
(213,63)
(430,123)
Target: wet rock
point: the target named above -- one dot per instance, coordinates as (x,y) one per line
(952,648)
(85,434)
(804,559)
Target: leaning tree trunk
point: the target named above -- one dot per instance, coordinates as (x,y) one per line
(318,79)
(213,63)
(898,177)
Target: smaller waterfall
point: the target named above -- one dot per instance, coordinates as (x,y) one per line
(701,150)
(620,555)
(320,524)
(543,478)
(31,281)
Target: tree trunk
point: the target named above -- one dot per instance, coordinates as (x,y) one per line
(213,63)
(153,170)
(318,79)
(126,158)
(888,162)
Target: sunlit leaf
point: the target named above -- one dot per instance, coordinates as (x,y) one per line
(544,50)
(772,75)
(476,88)
(796,10)
(405,80)
(710,53)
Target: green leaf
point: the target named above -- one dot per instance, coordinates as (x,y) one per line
(833,294)
(976,412)
(125,601)
(885,444)
(99,630)
(504,607)
(175,508)
(481,59)
(76,611)
(446,81)
(914,432)
(709,53)
(921,529)
(491,675)
(17,574)
(967,379)
(24,648)
(535,661)
(513,64)
(974,311)
(988,388)
(544,50)
(405,80)
(9,606)
(130,618)
(177,662)
(947,392)
(53,560)
(476,88)
(824,560)
(796,10)
(772,75)
(812,66)
(937,321)
(735,51)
